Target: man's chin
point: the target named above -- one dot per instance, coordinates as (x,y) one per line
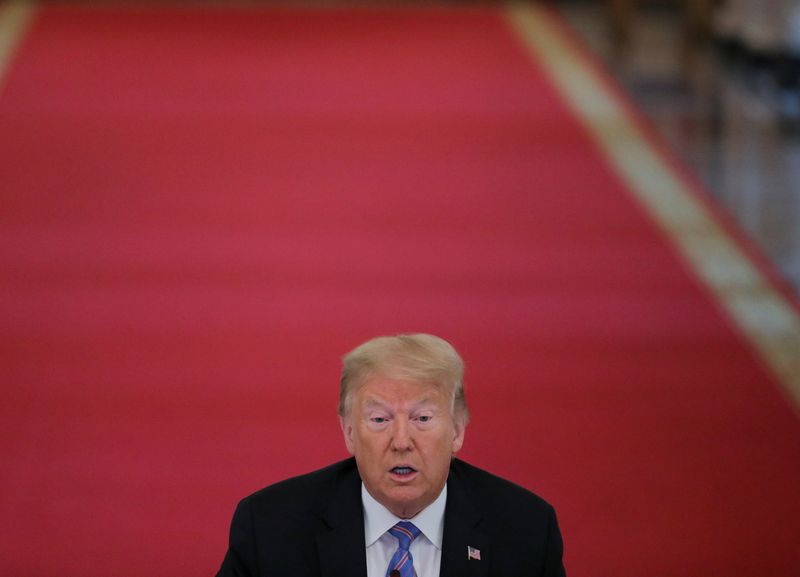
(404,502)
(405,510)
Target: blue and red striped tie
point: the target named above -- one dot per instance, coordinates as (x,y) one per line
(402,562)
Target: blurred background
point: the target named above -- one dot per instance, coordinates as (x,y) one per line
(203,205)
(720,79)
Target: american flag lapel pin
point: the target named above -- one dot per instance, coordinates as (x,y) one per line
(473,553)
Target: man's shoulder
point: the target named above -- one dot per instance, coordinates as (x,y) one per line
(315,487)
(496,493)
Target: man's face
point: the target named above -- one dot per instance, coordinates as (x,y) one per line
(402,435)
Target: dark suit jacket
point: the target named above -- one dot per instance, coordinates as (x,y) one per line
(313,526)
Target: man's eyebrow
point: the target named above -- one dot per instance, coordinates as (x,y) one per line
(372,403)
(424,403)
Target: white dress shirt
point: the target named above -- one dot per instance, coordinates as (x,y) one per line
(426,549)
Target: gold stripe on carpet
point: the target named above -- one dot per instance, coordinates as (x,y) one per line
(760,311)
(15,18)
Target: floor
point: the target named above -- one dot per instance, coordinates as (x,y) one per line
(725,116)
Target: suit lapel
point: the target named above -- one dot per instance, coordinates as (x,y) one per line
(341,547)
(461,531)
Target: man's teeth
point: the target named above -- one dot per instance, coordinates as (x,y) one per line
(402,470)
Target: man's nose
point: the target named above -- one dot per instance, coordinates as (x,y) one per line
(401,436)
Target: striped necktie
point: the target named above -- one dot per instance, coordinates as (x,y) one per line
(402,562)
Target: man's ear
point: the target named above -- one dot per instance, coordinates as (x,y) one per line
(458,437)
(347,431)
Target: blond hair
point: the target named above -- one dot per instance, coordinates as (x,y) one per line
(420,358)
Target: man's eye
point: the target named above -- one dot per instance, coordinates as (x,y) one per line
(424,418)
(379,420)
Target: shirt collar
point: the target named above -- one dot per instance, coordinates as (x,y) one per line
(378,519)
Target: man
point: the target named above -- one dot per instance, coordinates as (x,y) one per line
(403,506)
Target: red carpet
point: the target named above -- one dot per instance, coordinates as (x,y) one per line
(202,210)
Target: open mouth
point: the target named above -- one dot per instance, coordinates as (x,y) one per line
(403,471)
